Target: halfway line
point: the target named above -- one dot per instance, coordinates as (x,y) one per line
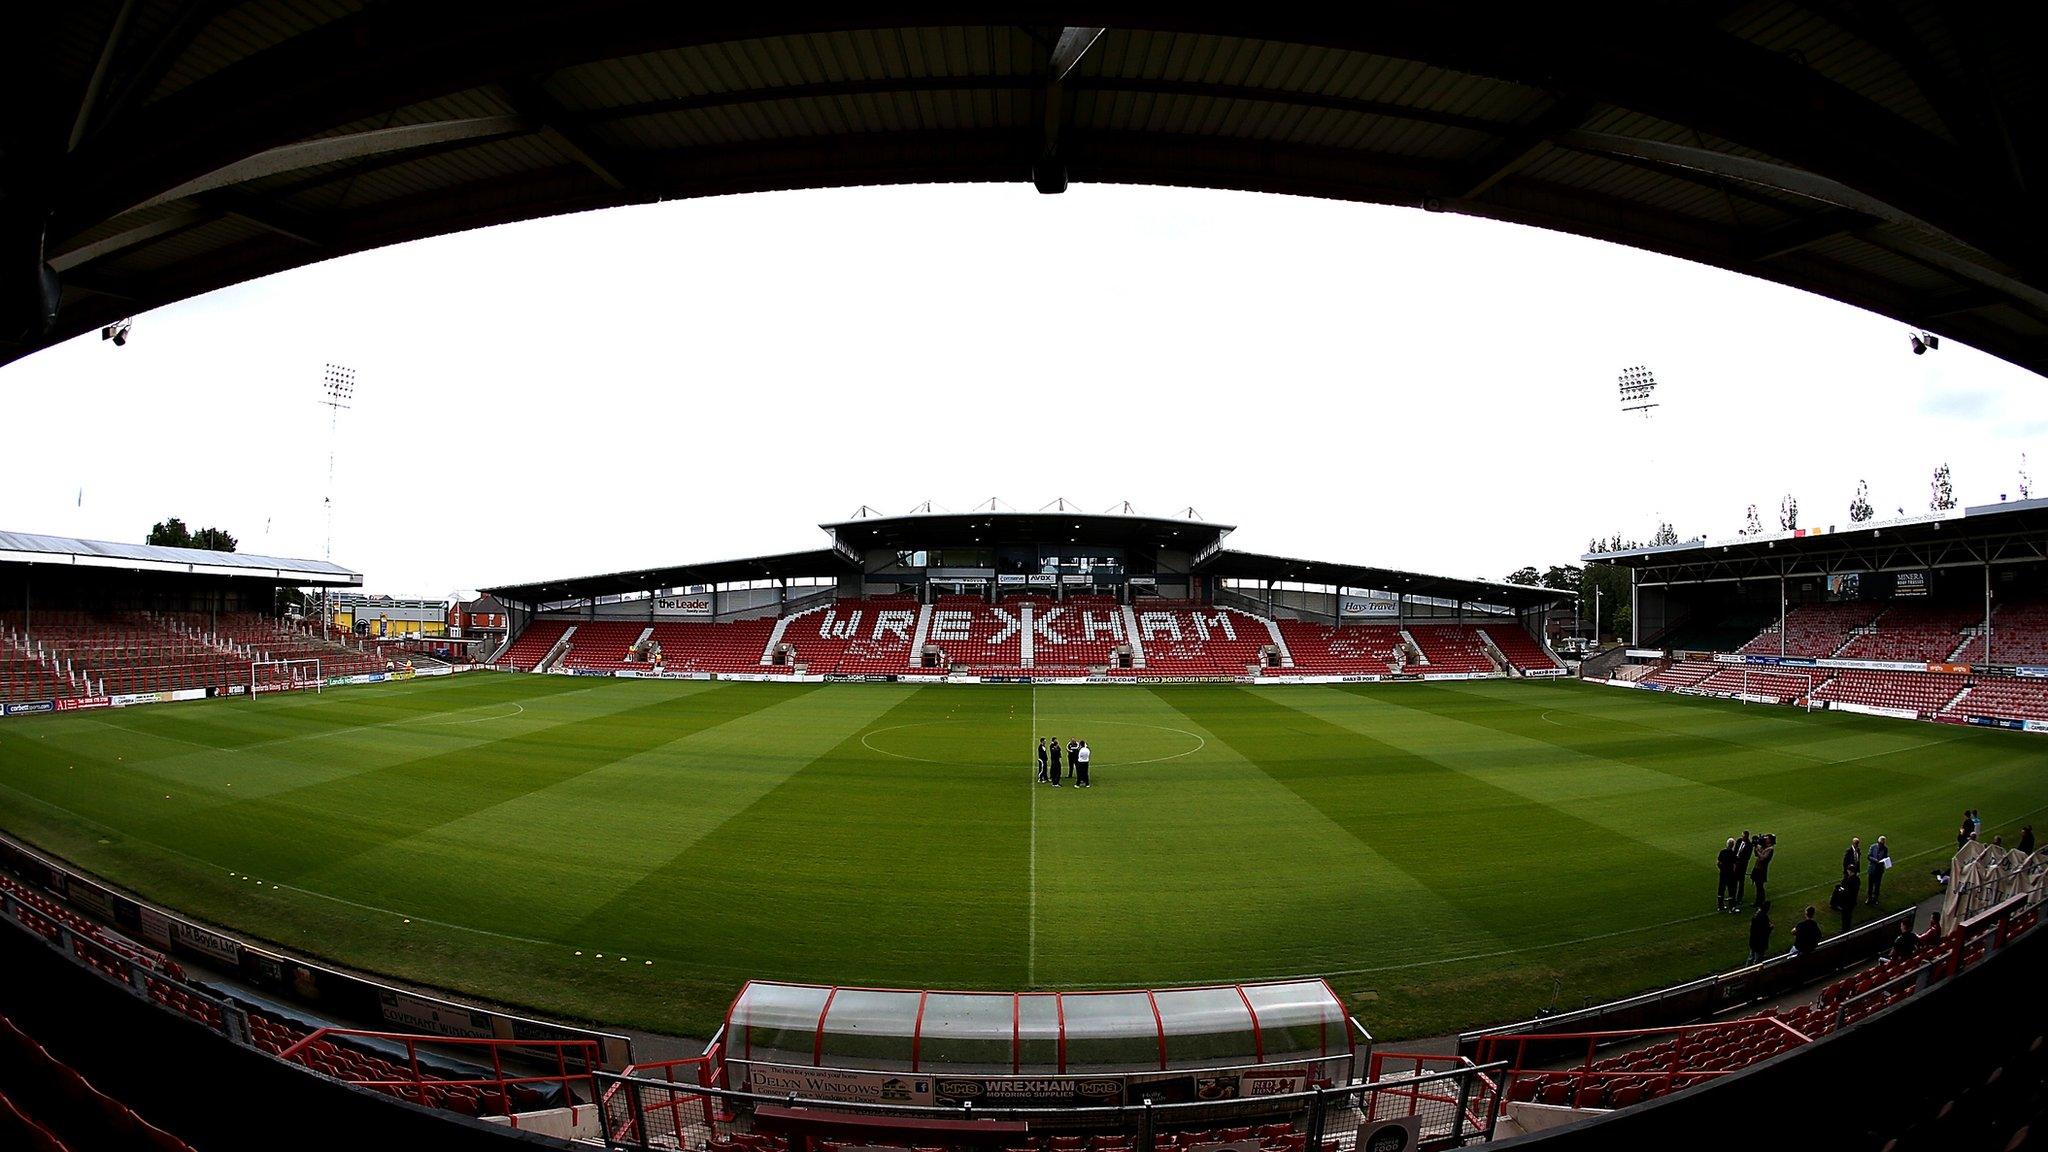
(1031,945)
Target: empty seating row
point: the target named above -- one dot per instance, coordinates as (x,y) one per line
(1813,630)
(604,644)
(2008,699)
(1523,651)
(1338,649)
(1912,632)
(53,911)
(2019,635)
(1683,674)
(1185,638)
(1790,687)
(705,646)
(344,1060)
(1923,692)
(534,644)
(869,636)
(1450,648)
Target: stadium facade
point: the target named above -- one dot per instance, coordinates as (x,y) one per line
(1060,596)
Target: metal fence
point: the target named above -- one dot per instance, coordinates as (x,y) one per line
(1455,1105)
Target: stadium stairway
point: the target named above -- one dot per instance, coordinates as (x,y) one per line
(1519,650)
(1131,634)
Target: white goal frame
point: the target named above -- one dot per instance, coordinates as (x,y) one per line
(256,687)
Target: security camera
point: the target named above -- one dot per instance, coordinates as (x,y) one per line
(117,332)
(1923,342)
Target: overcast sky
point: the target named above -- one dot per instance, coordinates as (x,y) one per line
(709,379)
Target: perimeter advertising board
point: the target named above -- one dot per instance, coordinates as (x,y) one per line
(835,1084)
(1033,1091)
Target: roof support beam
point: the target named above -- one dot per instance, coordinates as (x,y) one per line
(1049,171)
(269,217)
(1945,261)
(1802,233)
(557,128)
(339,149)
(97,84)
(1521,146)
(180,221)
(168,45)
(1762,173)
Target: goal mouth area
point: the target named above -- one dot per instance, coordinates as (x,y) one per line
(293,675)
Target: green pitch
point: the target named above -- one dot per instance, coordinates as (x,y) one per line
(1441,852)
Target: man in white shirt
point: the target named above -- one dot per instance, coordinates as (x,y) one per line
(1081,758)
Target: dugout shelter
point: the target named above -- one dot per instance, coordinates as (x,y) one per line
(1100,1048)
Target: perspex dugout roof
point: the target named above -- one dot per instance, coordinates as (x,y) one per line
(1037,1033)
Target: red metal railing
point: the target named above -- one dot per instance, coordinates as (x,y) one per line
(1477,1104)
(431,1091)
(1492,1047)
(705,1071)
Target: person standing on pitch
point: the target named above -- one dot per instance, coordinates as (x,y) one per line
(1074,756)
(1760,871)
(1745,846)
(1880,861)
(1726,860)
(1055,761)
(1041,759)
(1081,759)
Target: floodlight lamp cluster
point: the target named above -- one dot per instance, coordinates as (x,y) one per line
(338,385)
(1638,385)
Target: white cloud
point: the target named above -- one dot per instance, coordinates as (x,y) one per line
(710,378)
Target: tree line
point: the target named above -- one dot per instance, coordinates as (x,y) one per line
(1612,580)
(172,533)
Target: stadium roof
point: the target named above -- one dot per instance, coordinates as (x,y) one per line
(1888,155)
(959,529)
(2004,533)
(27,548)
(1232,564)
(782,566)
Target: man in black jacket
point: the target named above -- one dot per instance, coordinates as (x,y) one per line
(1806,933)
(1724,896)
(1041,760)
(1760,871)
(1760,934)
(1852,879)
(1055,761)
(1745,845)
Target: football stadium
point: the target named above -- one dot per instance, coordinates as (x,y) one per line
(1029,831)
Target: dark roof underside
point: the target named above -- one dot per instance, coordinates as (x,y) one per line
(1890,155)
(1233,564)
(821,563)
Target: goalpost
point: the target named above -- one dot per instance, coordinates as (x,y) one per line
(285,675)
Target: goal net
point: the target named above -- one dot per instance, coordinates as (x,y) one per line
(284,676)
